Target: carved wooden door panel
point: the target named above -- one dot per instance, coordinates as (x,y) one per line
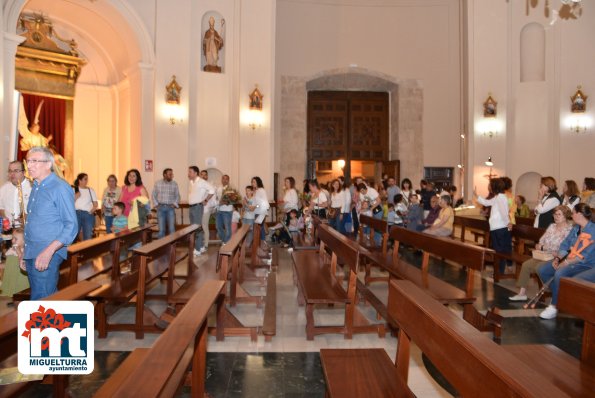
(327,126)
(368,126)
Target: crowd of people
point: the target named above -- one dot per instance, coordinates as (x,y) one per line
(58,213)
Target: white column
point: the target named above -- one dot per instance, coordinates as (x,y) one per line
(142,112)
(11,41)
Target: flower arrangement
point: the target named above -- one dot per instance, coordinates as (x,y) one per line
(230,197)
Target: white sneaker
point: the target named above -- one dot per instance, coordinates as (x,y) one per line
(549,313)
(518,297)
(197,253)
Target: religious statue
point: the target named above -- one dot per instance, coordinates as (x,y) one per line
(211,44)
(32,137)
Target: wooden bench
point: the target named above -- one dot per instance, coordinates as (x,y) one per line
(317,284)
(479,226)
(468,256)
(161,370)
(576,377)
(9,344)
(93,257)
(473,364)
(86,259)
(530,221)
(375,225)
(149,263)
(230,263)
(522,236)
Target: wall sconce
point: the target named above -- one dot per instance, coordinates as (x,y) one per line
(254,116)
(578,106)
(172,101)
(490,164)
(341,164)
(489,126)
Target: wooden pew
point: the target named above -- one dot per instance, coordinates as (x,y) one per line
(478,225)
(317,284)
(8,341)
(473,364)
(161,370)
(230,262)
(93,257)
(530,221)
(576,377)
(86,257)
(149,263)
(375,225)
(522,236)
(468,256)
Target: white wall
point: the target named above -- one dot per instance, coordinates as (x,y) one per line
(534,136)
(404,39)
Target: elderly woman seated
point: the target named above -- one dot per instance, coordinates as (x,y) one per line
(575,256)
(549,243)
(443,225)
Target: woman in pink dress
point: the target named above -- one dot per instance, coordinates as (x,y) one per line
(132,189)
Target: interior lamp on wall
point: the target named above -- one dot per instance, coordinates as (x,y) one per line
(254,116)
(490,164)
(172,101)
(578,121)
(490,126)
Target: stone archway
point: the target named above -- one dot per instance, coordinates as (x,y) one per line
(406,107)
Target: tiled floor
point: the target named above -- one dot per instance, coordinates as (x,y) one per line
(289,366)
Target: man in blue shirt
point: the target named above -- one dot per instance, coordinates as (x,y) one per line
(51,223)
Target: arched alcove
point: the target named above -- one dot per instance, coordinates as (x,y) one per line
(406,109)
(532,53)
(528,185)
(113,105)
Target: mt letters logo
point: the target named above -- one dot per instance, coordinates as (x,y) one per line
(56,337)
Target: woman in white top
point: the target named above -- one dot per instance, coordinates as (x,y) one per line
(261,205)
(290,198)
(406,189)
(336,206)
(548,201)
(499,218)
(111,195)
(85,203)
(572,195)
(318,199)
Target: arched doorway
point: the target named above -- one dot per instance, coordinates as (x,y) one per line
(405,118)
(112,107)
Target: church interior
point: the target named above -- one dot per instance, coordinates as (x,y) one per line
(455,92)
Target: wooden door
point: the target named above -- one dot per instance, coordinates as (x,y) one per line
(349,125)
(392,168)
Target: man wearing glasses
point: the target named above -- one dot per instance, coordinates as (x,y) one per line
(10,206)
(51,223)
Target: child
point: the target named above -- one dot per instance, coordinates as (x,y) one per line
(308,221)
(15,279)
(366,211)
(415,213)
(248,215)
(400,210)
(235,220)
(391,216)
(522,209)
(120,222)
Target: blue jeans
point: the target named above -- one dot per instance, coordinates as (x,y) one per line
(547,271)
(166,218)
(588,275)
(109,221)
(86,222)
(196,218)
(45,283)
(345,224)
(502,243)
(223,224)
(250,222)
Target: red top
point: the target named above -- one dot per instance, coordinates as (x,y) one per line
(127,197)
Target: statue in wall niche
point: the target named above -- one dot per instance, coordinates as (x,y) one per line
(211,44)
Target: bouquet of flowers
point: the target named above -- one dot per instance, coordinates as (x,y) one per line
(230,197)
(305,198)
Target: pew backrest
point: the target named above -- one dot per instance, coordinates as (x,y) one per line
(472,363)
(161,246)
(466,255)
(577,297)
(339,245)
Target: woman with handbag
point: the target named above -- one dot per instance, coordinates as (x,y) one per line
(548,246)
(318,199)
(337,198)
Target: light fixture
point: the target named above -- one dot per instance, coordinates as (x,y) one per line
(341,163)
(578,124)
(489,162)
(172,101)
(254,114)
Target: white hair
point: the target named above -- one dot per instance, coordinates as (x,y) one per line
(47,154)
